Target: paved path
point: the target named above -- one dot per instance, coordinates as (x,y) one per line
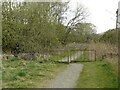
(67,78)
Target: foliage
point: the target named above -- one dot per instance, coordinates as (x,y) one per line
(83,33)
(34,27)
(110,36)
(26,27)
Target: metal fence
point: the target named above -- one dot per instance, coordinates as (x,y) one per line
(74,55)
(58,56)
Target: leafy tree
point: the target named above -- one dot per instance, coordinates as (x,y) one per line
(83,32)
(110,36)
(34,27)
(26,27)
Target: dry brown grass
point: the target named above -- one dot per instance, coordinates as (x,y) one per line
(103,49)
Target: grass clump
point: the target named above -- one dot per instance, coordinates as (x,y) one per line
(21,74)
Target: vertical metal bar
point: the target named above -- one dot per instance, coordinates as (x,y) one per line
(116,18)
(77,55)
(88,54)
(68,56)
(91,55)
(95,55)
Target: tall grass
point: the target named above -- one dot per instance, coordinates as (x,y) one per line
(29,74)
(102,49)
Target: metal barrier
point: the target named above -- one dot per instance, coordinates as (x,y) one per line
(77,55)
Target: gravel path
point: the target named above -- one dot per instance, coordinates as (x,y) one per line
(67,78)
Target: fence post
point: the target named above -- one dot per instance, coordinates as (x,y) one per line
(69,56)
(95,55)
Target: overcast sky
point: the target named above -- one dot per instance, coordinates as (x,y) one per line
(102,12)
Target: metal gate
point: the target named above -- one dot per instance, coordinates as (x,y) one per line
(68,56)
(82,56)
(76,55)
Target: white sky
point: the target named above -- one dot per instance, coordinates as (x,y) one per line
(102,12)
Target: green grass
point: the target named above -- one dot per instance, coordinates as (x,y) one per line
(28,74)
(98,74)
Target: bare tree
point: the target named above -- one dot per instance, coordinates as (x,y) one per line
(58,9)
(80,14)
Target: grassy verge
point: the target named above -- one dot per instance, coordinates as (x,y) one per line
(29,74)
(98,74)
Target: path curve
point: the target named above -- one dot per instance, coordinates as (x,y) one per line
(67,78)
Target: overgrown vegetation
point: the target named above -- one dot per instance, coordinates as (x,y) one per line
(34,27)
(110,36)
(30,74)
(103,49)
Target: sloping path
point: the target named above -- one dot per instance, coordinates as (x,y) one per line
(67,78)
